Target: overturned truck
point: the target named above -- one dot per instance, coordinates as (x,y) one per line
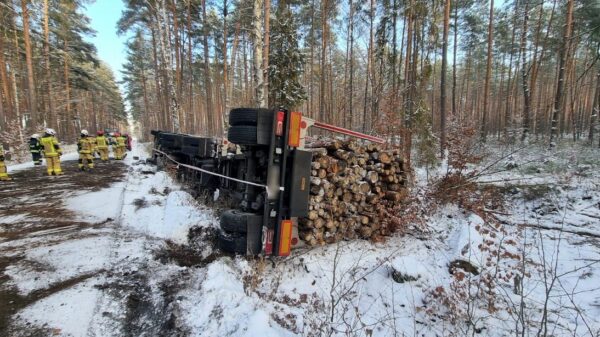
(277,184)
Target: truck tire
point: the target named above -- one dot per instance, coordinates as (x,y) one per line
(242,135)
(246,116)
(233,220)
(232,243)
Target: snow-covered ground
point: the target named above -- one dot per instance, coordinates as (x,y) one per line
(532,270)
(70,153)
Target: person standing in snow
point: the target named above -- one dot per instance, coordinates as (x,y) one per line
(52,152)
(85,146)
(102,145)
(120,146)
(35,147)
(3,170)
(92,140)
(112,143)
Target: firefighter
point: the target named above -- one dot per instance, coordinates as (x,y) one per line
(3,171)
(112,142)
(35,147)
(102,145)
(119,146)
(52,152)
(122,144)
(85,146)
(92,140)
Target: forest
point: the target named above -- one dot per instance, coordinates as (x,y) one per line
(515,70)
(50,76)
(409,70)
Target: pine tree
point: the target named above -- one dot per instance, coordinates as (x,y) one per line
(286,62)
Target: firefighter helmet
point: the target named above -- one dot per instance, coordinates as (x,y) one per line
(84,133)
(50,131)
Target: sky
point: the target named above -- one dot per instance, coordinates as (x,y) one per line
(111,47)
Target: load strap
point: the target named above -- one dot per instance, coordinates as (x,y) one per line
(208,172)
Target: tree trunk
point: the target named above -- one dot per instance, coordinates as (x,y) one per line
(322,83)
(191,68)
(177,50)
(29,60)
(524,76)
(234,52)
(207,74)
(165,48)
(66,70)
(443,78)
(225,70)
(267,20)
(310,100)
(369,78)
(160,92)
(258,44)
(595,110)
(5,80)
(351,70)
(51,119)
(563,60)
(454,46)
(488,73)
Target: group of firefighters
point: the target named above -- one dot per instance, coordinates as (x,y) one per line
(48,147)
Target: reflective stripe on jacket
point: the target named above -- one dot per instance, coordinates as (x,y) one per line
(85,145)
(34,145)
(51,146)
(101,142)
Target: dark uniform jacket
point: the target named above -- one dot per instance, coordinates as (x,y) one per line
(35,146)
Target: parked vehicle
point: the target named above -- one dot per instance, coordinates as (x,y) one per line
(262,165)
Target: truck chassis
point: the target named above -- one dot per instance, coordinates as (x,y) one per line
(263,168)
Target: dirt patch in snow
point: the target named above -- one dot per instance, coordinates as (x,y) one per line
(32,215)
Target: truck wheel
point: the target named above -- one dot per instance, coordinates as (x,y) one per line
(242,135)
(237,221)
(246,116)
(232,243)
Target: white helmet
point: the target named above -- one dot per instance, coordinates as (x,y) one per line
(35,135)
(50,131)
(84,132)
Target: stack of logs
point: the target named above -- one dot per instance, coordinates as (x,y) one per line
(352,186)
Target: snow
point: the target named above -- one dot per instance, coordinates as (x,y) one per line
(165,212)
(45,266)
(66,313)
(98,206)
(221,307)
(70,153)
(346,288)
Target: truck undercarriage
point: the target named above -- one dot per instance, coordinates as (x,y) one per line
(262,168)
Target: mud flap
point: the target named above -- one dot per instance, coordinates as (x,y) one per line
(254,235)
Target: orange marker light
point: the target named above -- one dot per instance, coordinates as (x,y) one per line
(295,126)
(285,240)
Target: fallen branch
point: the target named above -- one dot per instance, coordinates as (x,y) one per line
(561,229)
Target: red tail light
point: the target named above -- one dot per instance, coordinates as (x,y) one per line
(280,118)
(267,241)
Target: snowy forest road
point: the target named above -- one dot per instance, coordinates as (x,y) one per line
(33,216)
(96,253)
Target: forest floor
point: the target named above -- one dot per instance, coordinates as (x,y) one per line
(126,251)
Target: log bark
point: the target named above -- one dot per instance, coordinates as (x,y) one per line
(350,182)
